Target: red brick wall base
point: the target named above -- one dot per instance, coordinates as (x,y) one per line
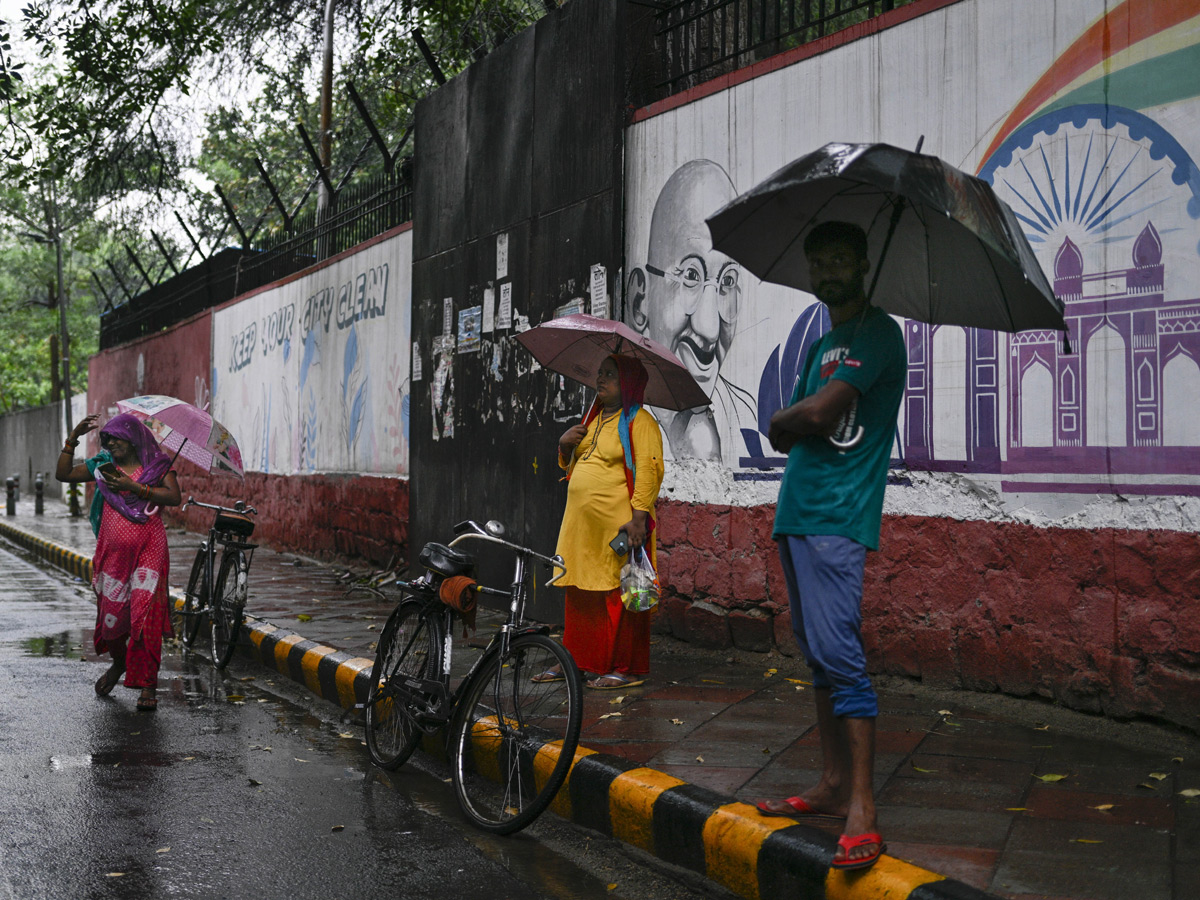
(353,516)
(1104,620)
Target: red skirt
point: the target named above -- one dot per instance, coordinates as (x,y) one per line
(132,605)
(603,635)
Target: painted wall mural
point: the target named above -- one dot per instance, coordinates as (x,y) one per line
(1085,119)
(313,375)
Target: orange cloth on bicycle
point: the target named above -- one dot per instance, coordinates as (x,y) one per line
(458,593)
(598,501)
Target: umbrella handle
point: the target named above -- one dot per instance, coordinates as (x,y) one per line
(897,212)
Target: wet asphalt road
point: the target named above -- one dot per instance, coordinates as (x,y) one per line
(240,785)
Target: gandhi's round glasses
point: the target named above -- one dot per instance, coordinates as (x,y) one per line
(691,276)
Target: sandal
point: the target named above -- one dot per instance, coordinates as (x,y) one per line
(792,807)
(552,674)
(147,703)
(850,842)
(615,681)
(106,682)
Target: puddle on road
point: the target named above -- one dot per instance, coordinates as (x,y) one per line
(64,645)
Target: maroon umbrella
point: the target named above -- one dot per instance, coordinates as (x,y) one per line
(576,345)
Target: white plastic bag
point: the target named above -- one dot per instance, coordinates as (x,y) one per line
(639,583)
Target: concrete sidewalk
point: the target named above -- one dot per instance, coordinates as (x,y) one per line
(977,793)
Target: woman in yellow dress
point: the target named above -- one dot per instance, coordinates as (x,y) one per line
(614,469)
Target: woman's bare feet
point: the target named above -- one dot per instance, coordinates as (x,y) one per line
(148,701)
(109,679)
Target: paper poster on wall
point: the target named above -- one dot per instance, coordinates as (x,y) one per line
(570,308)
(599,291)
(448,315)
(501,256)
(504,315)
(468,329)
(416,361)
(489,309)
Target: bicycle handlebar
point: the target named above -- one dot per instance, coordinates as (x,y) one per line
(241,507)
(479,534)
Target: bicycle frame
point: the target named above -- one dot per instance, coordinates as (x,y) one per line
(209,545)
(425,586)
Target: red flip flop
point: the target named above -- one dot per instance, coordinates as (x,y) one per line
(799,809)
(849,842)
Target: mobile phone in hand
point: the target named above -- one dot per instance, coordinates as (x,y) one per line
(109,471)
(620,544)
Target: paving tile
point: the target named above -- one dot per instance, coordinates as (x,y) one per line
(1047,802)
(1124,780)
(725,780)
(970,865)
(652,720)
(768,733)
(950,793)
(1187,831)
(638,752)
(951,827)
(1074,751)
(709,693)
(714,753)
(1186,882)
(982,746)
(998,771)
(1044,856)
(776,782)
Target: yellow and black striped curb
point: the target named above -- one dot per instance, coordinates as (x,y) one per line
(728,842)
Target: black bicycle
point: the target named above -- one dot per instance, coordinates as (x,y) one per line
(513,720)
(224,606)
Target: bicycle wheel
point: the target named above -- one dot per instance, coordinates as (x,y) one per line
(513,739)
(411,644)
(195,600)
(228,602)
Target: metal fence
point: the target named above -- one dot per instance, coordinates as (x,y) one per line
(698,40)
(360,212)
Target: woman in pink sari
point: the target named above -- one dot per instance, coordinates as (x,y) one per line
(131,565)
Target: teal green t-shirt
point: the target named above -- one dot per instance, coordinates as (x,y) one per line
(831,491)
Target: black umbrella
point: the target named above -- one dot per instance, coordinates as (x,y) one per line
(943,247)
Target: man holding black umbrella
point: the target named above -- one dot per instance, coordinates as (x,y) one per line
(828,517)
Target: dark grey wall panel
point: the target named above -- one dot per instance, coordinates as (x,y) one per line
(440,169)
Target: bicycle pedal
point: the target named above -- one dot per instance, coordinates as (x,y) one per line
(477,644)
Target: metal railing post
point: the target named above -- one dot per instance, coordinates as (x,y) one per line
(39,490)
(10,495)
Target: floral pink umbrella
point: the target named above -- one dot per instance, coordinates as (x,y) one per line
(188,431)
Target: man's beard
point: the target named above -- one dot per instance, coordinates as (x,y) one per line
(838,293)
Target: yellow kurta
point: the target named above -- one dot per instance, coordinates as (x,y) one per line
(598,501)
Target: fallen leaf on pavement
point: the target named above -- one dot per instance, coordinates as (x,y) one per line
(673,721)
(234,698)
(770,672)
(1104,807)
(254,781)
(1148,786)
(917,768)
(1041,727)
(1190,792)
(611,714)
(700,759)
(1158,776)
(188,758)
(163,850)
(767,750)
(798,681)
(944,712)
(612,887)
(246,678)
(298,759)
(304,617)
(617,700)
(338,828)
(1015,808)
(345,734)
(1050,779)
(1085,841)
(115,875)
(1177,759)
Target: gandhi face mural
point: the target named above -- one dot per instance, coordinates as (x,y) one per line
(687,295)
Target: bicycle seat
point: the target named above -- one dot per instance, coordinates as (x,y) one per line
(235,524)
(441,559)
